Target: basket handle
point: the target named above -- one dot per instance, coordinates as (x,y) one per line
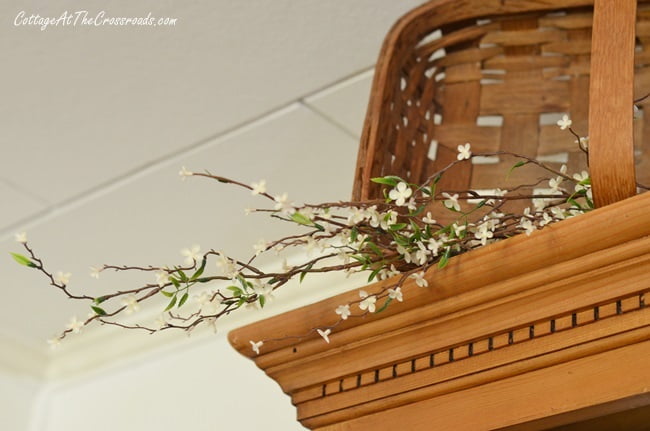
(611,144)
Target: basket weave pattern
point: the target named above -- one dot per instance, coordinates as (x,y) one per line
(497,82)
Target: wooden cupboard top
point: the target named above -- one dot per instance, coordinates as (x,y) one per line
(525,260)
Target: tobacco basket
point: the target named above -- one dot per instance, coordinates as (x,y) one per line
(529,333)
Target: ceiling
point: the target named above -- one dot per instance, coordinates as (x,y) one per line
(97,121)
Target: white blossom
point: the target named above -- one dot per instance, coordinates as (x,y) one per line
(62,277)
(75,325)
(396,294)
(387,272)
(540,203)
(203,298)
(131,304)
(160,322)
(526,224)
(434,245)
(583,142)
(94,271)
(400,193)
(259,187)
(192,254)
(412,204)
(263,289)
(282,204)
(406,254)
(558,213)
(325,334)
(248,211)
(483,233)
(554,183)
(184,173)
(451,201)
(428,220)
(385,220)
(421,254)
(260,246)
(464,152)
(162,278)
(419,279)
(582,177)
(21,237)
(256,346)
(546,219)
(226,266)
(459,229)
(285,266)
(564,123)
(209,303)
(368,302)
(356,216)
(343,311)
(54,342)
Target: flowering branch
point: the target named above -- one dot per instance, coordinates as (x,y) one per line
(397,235)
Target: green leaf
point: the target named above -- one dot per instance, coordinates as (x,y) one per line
(418,211)
(445,258)
(304,272)
(99,311)
(175,282)
(301,219)
(435,181)
(383,307)
(182,275)
(171,304)
(401,240)
(354,233)
(373,274)
(515,166)
(361,259)
(100,299)
(262,300)
(199,271)
(183,299)
(389,180)
(236,291)
(374,248)
(416,229)
(397,226)
(167,294)
(574,203)
(319,227)
(480,204)
(23,260)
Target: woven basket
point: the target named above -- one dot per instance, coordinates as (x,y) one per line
(499,74)
(527,333)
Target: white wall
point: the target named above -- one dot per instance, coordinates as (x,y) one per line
(17,396)
(200,385)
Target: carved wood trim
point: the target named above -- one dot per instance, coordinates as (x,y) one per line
(539,312)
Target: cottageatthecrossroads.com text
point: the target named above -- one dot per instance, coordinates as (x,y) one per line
(83,18)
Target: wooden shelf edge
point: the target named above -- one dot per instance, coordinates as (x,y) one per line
(494,263)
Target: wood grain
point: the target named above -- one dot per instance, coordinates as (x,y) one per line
(611,146)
